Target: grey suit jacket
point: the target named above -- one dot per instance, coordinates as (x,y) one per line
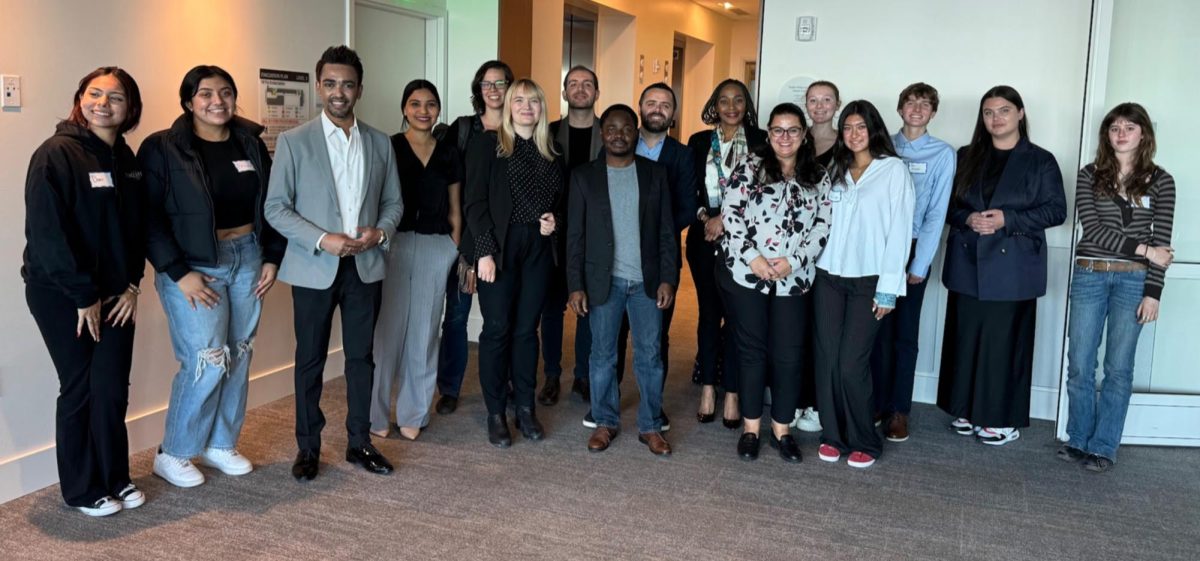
(302,203)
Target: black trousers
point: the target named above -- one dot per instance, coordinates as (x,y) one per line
(551,328)
(845,335)
(512,306)
(770,333)
(91,442)
(894,360)
(715,340)
(313,317)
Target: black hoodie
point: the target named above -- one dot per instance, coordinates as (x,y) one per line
(84,227)
(182,228)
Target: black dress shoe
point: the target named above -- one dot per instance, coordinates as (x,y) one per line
(369,458)
(498,433)
(549,393)
(583,389)
(447,404)
(732,423)
(706,417)
(748,446)
(305,467)
(788,449)
(528,424)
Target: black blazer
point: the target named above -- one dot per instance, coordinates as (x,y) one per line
(590,230)
(488,197)
(1009,265)
(700,144)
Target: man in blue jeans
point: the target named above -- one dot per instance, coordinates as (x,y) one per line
(633,273)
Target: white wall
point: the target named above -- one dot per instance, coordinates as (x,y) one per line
(962,49)
(157,42)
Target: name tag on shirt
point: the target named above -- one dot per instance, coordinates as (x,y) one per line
(1145,201)
(243,166)
(916,167)
(101,179)
(835,195)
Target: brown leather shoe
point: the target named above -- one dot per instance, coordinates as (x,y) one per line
(601,438)
(897,428)
(656,443)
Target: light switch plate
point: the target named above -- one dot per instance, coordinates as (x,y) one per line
(10,91)
(806,28)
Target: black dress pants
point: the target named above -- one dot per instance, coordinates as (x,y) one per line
(512,306)
(770,332)
(715,339)
(313,317)
(845,334)
(91,442)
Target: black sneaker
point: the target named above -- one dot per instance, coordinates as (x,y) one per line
(588,421)
(1097,464)
(666,425)
(1068,453)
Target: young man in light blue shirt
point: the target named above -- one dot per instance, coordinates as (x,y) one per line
(931,162)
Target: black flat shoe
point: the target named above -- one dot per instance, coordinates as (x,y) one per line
(731,423)
(498,433)
(583,389)
(549,393)
(788,449)
(306,465)
(747,446)
(528,424)
(706,417)
(369,458)
(447,404)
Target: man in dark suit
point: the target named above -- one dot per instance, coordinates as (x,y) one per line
(634,273)
(335,195)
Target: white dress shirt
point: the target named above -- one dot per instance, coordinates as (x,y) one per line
(871,229)
(348,165)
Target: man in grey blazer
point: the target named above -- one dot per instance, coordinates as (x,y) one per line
(335,195)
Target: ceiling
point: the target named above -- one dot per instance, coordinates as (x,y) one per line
(739,9)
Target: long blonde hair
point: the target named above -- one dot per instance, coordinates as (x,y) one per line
(541,131)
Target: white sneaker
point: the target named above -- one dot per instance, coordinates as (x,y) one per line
(102,507)
(177,471)
(964,427)
(998,436)
(807,420)
(225,459)
(130,497)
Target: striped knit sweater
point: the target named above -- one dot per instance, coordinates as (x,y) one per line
(1113,228)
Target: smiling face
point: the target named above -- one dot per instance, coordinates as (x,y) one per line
(214,102)
(657,110)
(821,102)
(786,134)
(917,112)
(104,104)
(1125,136)
(525,107)
(340,90)
(421,110)
(855,134)
(731,105)
(619,133)
(493,95)
(1001,117)
(580,91)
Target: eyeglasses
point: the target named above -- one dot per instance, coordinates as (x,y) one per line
(779,132)
(497,85)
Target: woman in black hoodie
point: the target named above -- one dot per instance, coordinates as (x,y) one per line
(84,256)
(215,258)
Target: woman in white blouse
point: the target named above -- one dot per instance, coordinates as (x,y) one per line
(775,212)
(859,276)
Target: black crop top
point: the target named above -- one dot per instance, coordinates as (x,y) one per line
(232,182)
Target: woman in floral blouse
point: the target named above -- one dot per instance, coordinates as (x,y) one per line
(776,213)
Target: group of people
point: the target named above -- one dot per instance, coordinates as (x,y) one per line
(810,244)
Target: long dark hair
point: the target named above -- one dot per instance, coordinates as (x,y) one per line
(981,140)
(1106,181)
(477,93)
(710,116)
(133,97)
(808,171)
(879,144)
(191,84)
(412,87)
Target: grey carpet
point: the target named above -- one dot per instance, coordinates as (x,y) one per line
(454,497)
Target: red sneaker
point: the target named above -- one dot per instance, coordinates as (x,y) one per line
(860,460)
(828,453)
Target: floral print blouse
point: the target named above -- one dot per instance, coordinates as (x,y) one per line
(781,219)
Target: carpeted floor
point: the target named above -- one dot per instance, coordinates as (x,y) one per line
(455,498)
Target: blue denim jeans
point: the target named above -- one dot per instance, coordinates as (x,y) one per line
(1097,297)
(452,357)
(213,347)
(645,320)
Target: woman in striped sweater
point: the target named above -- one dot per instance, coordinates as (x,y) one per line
(1126,204)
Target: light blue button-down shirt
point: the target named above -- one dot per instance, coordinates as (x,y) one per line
(931,162)
(648,152)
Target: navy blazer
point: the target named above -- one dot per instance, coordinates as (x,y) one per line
(1009,265)
(590,234)
(700,144)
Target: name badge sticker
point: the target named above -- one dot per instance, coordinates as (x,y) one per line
(916,167)
(1145,201)
(243,166)
(101,179)
(835,195)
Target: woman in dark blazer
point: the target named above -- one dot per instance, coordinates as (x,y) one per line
(514,201)
(1007,191)
(730,111)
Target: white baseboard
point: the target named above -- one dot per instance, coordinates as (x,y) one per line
(1043,401)
(37,469)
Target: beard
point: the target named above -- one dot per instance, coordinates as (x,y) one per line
(653,126)
(339,113)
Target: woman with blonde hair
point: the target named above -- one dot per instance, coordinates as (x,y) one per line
(514,199)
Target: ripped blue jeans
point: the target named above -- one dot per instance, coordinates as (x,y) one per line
(213,347)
